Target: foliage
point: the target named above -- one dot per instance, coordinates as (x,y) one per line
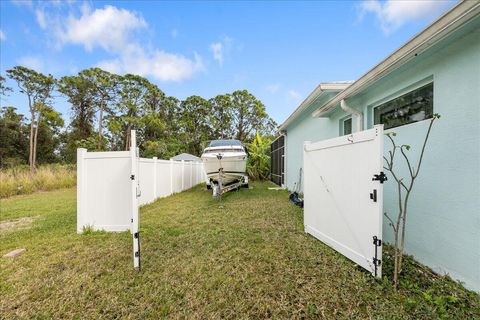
(14,137)
(249,258)
(38,88)
(404,188)
(105,107)
(258,165)
(19,180)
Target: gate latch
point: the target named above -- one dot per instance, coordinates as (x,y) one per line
(373,195)
(380,177)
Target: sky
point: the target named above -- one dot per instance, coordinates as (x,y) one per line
(279,51)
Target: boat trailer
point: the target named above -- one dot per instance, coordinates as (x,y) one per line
(218,188)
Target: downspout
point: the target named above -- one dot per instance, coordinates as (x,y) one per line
(358,114)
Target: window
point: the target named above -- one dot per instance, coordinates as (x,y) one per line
(411,107)
(347,126)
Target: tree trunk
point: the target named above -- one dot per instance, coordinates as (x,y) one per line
(30,152)
(35,139)
(127,138)
(100,127)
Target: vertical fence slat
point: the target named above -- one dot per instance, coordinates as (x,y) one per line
(155,195)
(80,187)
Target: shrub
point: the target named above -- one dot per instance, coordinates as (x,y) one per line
(258,165)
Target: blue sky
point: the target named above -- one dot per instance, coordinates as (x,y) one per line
(279,51)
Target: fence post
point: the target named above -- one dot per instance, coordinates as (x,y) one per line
(155,178)
(171,176)
(81,152)
(183,175)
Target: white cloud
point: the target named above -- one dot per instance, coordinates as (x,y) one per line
(116,31)
(31,62)
(109,28)
(221,49)
(23,3)
(3,36)
(217,48)
(158,64)
(174,33)
(113,66)
(294,95)
(41,18)
(273,88)
(393,14)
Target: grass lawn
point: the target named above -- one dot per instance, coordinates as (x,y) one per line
(244,257)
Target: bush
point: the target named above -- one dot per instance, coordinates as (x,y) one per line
(18,180)
(258,165)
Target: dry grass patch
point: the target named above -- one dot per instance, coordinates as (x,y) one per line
(19,180)
(12,225)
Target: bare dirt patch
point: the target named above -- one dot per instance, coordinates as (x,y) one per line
(12,225)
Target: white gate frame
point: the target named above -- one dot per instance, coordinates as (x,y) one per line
(343,197)
(135,194)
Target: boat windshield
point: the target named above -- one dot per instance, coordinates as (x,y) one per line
(225,143)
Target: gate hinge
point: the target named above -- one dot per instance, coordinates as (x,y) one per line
(136,235)
(376,262)
(377,242)
(132,177)
(137,254)
(380,177)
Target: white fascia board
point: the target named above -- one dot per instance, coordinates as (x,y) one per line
(438,30)
(319,90)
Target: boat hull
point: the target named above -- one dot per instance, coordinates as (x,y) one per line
(232,166)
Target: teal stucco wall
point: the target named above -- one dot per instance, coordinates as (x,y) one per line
(443,223)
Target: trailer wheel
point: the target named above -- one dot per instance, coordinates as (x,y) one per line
(209,186)
(245,186)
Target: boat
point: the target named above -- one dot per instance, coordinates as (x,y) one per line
(225,163)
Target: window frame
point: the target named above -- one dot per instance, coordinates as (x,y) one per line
(342,125)
(400,93)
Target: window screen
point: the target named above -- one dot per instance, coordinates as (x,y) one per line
(347,126)
(411,107)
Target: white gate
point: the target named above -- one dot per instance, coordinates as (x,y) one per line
(111,186)
(343,195)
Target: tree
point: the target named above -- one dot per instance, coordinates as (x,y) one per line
(49,137)
(196,131)
(13,138)
(404,188)
(104,86)
(3,88)
(249,116)
(132,105)
(38,89)
(80,93)
(221,116)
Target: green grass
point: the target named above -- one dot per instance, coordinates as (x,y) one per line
(19,180)
(244,257)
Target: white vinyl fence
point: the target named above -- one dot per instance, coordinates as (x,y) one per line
(104,186)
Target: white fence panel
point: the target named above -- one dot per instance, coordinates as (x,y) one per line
(343,204)
(164,187)
(103,190)
(177,177)
(104,186)
(147,180)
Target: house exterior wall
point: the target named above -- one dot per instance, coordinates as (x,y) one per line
(443,223)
